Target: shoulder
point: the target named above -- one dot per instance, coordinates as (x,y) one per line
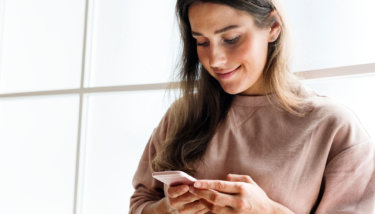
(329,109)
(336,121)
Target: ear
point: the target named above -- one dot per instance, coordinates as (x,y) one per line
(276,25)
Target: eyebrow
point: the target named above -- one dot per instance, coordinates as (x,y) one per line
(218,31)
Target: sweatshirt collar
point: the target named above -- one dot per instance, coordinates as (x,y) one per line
(261,100)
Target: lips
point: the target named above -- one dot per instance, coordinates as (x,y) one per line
(225,74)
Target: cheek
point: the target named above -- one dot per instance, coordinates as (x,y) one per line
(241,53)
(204,60)
(202,56)
(251,53)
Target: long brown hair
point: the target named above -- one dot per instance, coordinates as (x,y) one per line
(203,103)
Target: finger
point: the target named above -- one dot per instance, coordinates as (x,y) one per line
(222,210)
(175,191)
(194,207)
(182,200)
(214,197)
(239,178)
(203,211)
(221,186)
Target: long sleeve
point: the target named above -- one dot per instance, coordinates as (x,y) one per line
(349,182)
(147,189)
(349,177)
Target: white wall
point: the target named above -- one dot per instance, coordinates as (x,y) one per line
(331,33)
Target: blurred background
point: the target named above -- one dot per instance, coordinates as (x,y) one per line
(82,87)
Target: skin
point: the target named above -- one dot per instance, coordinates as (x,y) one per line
(241,48)
(234,51)
(180,199)
(237,194)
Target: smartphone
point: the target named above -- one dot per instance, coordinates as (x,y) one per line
(174,178)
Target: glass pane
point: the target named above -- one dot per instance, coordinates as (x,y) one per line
(118,128)
(355,92)
(331,33)
(131,42)
(37,154)
(41,46)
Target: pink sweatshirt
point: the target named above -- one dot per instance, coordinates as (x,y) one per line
(321,163)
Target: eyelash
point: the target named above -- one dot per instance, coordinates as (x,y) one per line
(204,44)
(228,41)
(232,41)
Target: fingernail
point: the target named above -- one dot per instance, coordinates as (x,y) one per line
(197,184)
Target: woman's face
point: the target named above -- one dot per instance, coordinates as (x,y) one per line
(230,46)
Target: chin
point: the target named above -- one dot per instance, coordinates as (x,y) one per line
(232,91)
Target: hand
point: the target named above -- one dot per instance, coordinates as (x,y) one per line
(238,194)
(181,200)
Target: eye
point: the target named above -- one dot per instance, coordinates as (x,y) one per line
(232,41)
(204,44)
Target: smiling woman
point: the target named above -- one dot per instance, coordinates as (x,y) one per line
(82,88)
(232,48)
(256,139)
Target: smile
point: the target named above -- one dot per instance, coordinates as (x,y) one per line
(227,74)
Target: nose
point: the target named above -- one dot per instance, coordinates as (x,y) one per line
(217,57)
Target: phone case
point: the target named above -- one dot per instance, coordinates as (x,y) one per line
(173,178)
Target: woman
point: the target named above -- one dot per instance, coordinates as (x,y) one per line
(261,142)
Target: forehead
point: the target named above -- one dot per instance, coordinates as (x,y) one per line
(205,15)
